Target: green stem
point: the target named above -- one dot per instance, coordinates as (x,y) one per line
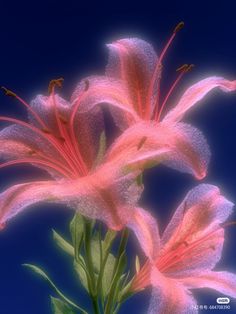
(88,256)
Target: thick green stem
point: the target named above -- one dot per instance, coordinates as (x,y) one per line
(88,255)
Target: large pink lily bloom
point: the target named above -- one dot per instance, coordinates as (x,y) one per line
(131,88)
(65,144)
(188,251)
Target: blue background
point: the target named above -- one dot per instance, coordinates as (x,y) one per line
(45,40)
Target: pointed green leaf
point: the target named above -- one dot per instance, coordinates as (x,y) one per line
(109,238)
(80,271)
(40,272)
(108,274)
(77,232)
(60,307)
(63,244)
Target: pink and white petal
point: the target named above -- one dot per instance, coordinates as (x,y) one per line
(195,93)
(104,90)
(188,150)
(146,230)
(19,142)
(202,202)
(193,258)
(221,281)
(194,239)
(45,107)
(133,60)
(170,296)
(79,195)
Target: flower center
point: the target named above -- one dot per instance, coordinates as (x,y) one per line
(71,163)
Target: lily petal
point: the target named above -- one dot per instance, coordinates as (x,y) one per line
(44,107)
(179,146)
(169,296)
(194,238)
(221,281)
(133,60)
(195,93)
(77,194)
(146,230)
(202,201)
(106,90)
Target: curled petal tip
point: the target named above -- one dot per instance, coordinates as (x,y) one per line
(201,175)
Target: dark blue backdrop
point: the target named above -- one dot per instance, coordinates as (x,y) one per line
(41,41)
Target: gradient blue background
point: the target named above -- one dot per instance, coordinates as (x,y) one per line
(45,40)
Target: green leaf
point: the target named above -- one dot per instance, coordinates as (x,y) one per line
(109,238)
(101,150)
(41,273)
(115,281)
(63,244)
(77,226)
(80,271)
(108,274)
(60,307)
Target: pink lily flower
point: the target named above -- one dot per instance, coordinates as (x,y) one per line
(65,143)
(188,251)
(132,90)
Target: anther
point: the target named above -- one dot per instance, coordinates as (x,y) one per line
(190,67)
(53,83)
(183,68)
(8,92)
(179,27)
(141,143)
(47,131)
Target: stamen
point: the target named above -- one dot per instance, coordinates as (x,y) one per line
(71,127)
(41,133)
(8,92)
(171,259)
(183,69)
(157,72)
(62,138)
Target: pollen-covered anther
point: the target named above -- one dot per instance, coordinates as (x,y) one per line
(183,68)
(46,131)
(55,83)
(8,92)
(179,27)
